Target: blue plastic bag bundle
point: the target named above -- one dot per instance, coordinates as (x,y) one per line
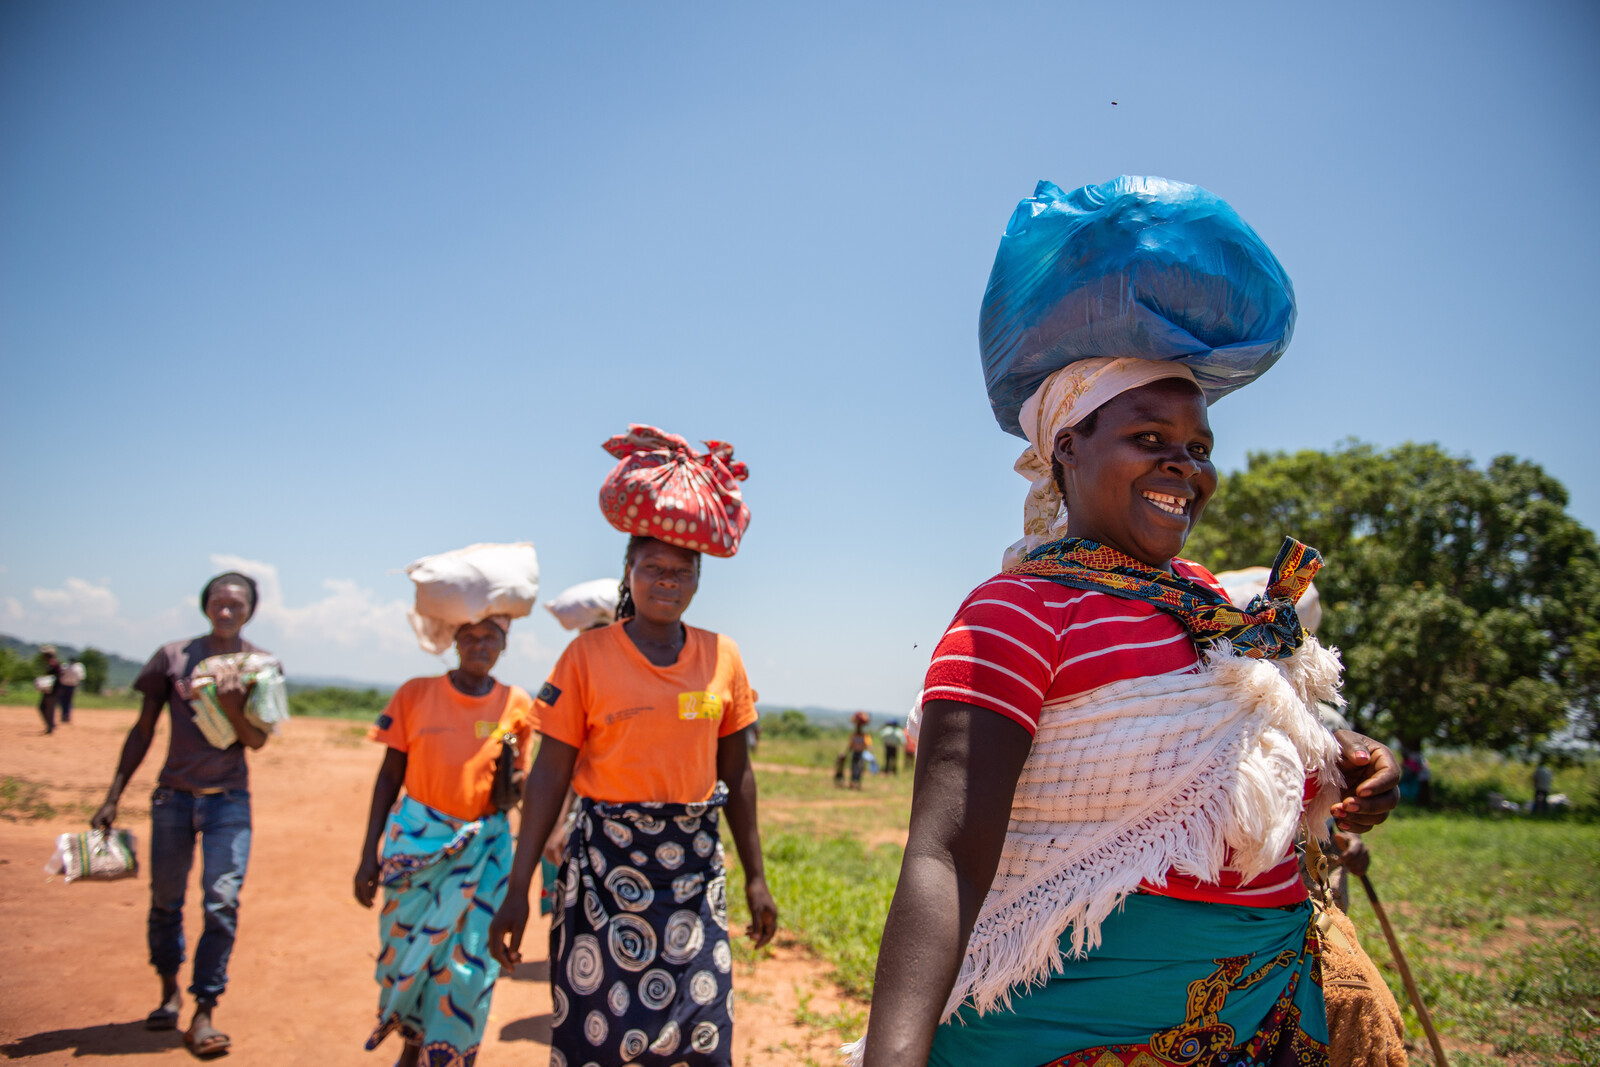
(1141,267)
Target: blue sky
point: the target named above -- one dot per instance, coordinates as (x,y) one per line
(327,287)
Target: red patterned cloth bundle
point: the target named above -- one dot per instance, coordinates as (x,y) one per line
(663,488)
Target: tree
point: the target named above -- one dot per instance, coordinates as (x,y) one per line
(95,666)
(1466,602)
(791,722)
(14,670)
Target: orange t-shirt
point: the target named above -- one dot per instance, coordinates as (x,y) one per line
(645,732)
(452,741)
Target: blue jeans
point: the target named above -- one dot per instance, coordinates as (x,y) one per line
(222,821)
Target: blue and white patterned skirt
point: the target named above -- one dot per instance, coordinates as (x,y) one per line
(641,971)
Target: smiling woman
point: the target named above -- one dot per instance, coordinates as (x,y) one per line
(1110,776)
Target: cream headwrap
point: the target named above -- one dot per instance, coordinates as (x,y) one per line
(1062,401)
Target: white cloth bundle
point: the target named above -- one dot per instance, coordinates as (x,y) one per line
(468,585)
(586,604)
(1244,585)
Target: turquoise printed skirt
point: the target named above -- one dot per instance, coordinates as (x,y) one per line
(443,878)
(1173,982)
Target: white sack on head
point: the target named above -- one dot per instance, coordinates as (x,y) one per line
(585,604)
(456,589)
(1244,585)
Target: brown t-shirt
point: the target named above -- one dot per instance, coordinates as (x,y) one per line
(193,763)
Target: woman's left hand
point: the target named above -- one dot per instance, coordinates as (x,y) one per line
(763,911)
(1372,782)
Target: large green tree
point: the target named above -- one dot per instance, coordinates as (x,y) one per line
(95,666)
(1466,601)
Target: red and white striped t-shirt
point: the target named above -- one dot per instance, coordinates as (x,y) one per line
(1018,643)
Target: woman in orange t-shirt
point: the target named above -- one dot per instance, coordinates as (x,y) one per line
(646,720)
(445,849)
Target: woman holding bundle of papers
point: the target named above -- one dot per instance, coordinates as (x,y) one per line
(646,720)
(225,694)
(458,743)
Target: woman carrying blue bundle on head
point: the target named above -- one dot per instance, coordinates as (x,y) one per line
(1115,760)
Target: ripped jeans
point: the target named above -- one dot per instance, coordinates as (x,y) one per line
(222,822)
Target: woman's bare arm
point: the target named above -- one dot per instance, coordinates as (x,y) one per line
(968,761)
(733,767)
(385,791)
(542,797)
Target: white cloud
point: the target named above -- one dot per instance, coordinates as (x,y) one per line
(77,603)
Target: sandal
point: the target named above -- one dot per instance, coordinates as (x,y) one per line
(209,1044)
(161,1019)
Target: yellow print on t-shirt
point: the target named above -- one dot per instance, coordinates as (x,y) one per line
(702,705)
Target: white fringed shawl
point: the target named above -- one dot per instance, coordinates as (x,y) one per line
(1178,771)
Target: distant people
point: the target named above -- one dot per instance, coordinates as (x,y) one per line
(859,743)
(443,855)
(1416,778)
(72,675)
(894,739)
(645,721)
(47,684)
(1543,782)
(202,795)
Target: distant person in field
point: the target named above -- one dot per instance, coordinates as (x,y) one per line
(67,682)
(1114,760)
(894,739)
(1416,778)
(1543,782)
(48,683)
(645,720)
(443,854)
(202,797)
(860,741)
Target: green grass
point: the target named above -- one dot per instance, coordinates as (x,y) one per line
(1463,781)
(1501,923)
(832,896)
(1498,916)
(331,702)
(28,696)
(21,799)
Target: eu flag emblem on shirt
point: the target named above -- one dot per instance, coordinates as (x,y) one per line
(549,694)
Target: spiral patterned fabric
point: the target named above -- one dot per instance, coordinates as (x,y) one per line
(641,966)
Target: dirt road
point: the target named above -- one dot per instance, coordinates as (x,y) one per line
(75,980)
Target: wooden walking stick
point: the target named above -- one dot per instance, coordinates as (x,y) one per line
(1405,974)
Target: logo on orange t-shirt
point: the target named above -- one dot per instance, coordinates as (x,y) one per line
(701,705)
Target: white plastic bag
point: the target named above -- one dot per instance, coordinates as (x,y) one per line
(45,683)
(95,854)
(468,585)
(266,707)
(586,604)
(73,674)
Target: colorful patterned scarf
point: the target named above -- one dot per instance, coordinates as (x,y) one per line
(1268,628)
